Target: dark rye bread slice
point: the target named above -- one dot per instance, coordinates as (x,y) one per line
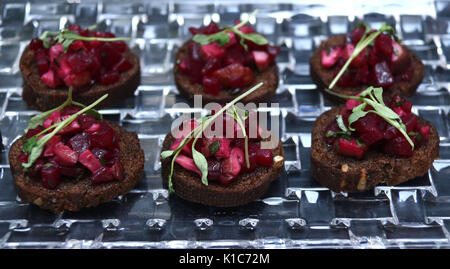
(40,97)
(346,174)
(322,77)
(73,195)
(244,189)
(264,94)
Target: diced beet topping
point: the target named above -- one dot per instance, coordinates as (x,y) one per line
(225,156)
(379,64)
(82,62)
(373,133)
(231,65)
(85,146)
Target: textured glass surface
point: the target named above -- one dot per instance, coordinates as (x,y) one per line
(296,212)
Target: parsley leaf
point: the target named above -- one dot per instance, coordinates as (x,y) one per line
(28,144)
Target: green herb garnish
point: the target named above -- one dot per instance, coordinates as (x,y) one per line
(33,146)
(373,97)
(222,38)
(66,38)
(214,147)
(200,160)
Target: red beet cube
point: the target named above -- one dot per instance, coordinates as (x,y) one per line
(72,171)
(50,79)
(73,127)
(48,149)
(383,43)
(32,132)
(383,75)
(369,128)
(77,45)
(211,65)
(55,51)
(187,163)
(36,44)
(42,66)
(88,159)
(329,59)
(400,59)
(261,59)
(264,157)
(78,80)
(50,176)
(231,166)
(357,34)
(211,85)
(398,146)
(109,78)
(65,155)
(410,121)
(120,46)
(212,50)
(80,142)
(79,61)
(123,65)
(62,66)
(350,104)
(235,75)
(425,132)
(105,137)
(235,54)
(103,174)
(109,55)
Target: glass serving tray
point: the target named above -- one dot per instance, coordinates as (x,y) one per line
(296,212)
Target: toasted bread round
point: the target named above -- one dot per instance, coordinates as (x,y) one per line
(40,97)
(346,174)
(73,195)
(323,77)
(244,189)
(264,94)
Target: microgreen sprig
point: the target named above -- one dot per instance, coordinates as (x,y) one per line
(66,38)
(34,146)
(200,160)
(373,97)
(222,38)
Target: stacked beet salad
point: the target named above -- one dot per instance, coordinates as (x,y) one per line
(86,146)
(373,132)
(229,66)
(225,156)
(83,63)
(380,64)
